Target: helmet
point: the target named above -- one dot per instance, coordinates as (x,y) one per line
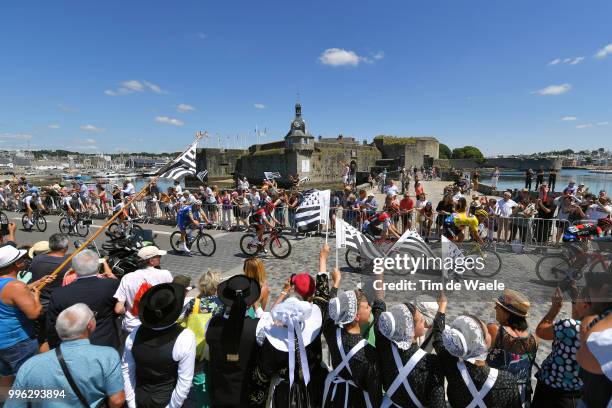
(33,190)
(482,213)
(75,195)
(197,202)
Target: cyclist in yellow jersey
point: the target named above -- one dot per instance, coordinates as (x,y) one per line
(460,218)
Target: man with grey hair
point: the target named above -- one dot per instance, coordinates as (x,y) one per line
(96,370)
(43,265)
(92,290)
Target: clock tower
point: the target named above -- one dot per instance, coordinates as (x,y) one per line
(298,137)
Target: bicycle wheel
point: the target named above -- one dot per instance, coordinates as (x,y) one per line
(248,244)
(64,225)
(175,241)
(24,222)
(553,268)
(82,230)
(491,263)
(3,218)
(206,245)
(353,259)
(280,247)
(41,223)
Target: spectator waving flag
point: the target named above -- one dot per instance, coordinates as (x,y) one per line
(271,175)
(202,174)
(313,210)
(411,243)
(348,236)
(182,165)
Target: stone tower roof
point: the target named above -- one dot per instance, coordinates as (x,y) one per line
(298,125)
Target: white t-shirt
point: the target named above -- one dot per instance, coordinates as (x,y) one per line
(255,200)
(178,189)
(129,286)
(457,196)
(391,190)
(504,208)
(600,345)
(597,211)
(210,198)
(129,189)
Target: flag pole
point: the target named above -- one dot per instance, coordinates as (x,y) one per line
(133,198)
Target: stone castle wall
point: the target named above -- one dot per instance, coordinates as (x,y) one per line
(218,162)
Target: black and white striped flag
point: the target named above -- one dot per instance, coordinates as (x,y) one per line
(201,175)
(270,175)
(182,165)
(348,236)
(304,180)
(411,243)
(313,210)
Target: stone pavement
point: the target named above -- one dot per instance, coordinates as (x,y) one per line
(518,271)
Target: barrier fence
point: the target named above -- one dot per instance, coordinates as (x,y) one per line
(530,232)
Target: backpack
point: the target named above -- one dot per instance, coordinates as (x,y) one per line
(139,294)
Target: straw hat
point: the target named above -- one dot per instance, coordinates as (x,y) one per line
(514,302)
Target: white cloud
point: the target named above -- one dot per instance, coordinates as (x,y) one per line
(53,126)
(63,107)
(576,61)
(553,90)
(169,121)
(16,136)
(91,128)
(584,126)
(570,61)
(603,123)
(259,106)
(569,118)
(133,86)
(338,57)
(183,107)
(604,52)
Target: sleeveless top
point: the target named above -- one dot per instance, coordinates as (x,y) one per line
(156,370)
(14,325)
(596,391)
(517,356)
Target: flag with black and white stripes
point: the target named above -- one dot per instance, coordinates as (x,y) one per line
(348,236)
(201,175)
(271,175)
(411,243)
(182,165)
(313,210)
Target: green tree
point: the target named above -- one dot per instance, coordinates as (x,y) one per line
(588,160)
(444,152)
(467,152)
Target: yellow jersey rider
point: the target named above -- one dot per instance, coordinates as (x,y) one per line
(455,223)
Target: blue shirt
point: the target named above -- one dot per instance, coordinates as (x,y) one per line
(95,369)
(14,325)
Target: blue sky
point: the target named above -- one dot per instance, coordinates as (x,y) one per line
(507,76)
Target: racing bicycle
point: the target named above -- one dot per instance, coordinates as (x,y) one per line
(79,224)
(38,220)
(205,243)
(279,246)
(570,264)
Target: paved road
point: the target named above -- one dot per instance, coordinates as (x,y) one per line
(517,270)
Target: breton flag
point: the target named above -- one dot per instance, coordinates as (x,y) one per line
(348,236)
(412,243)
(450,250)
(182,165)
(271,175)
(313,210)
(202,174)
(304,180)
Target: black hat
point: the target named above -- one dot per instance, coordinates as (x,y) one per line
(161,305)
(229,290)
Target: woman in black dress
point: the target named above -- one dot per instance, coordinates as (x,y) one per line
(411,377)
(462,350)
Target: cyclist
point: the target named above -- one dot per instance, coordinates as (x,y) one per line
(381,220)
(454,223)
(188,215)
(72,204)
(32,202)
(260,219)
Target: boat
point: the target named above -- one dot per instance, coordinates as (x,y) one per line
(601,171)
